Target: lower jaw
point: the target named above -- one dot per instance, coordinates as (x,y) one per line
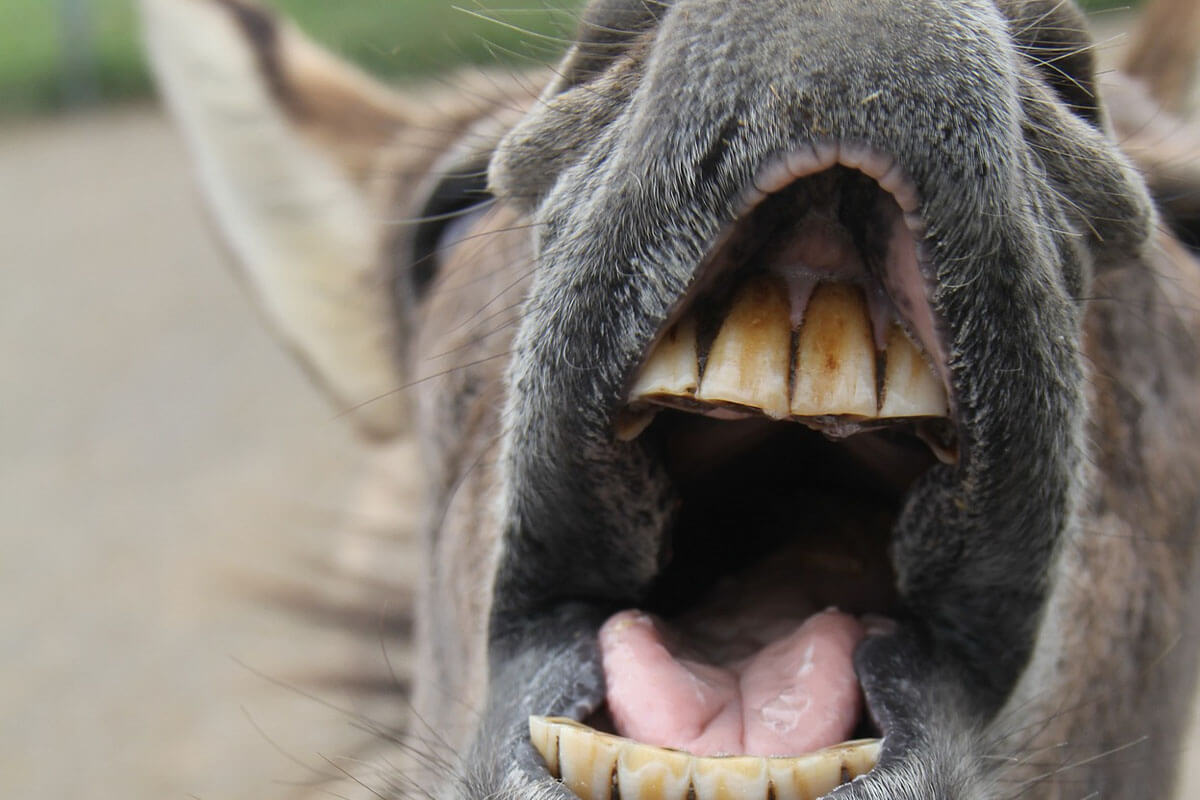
(836,557)
(667,764)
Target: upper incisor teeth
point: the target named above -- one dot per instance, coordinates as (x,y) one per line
(910,388)
(835,359)
(832,368)
(749,360)
(673,369)
(593,764)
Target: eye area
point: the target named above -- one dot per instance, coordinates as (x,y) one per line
(443,221)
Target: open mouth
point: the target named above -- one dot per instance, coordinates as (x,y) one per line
(794,396)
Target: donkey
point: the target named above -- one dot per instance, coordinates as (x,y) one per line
(807,390)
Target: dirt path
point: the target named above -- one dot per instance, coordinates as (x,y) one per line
(159,455)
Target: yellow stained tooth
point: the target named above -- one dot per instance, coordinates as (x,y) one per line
(672,369)
(749,360)
(835,355)
(587,761)
(910,388)
(860,757)
(631,423)
(732,778)
(791,783)
(652,773)
(816,774)
(544,735)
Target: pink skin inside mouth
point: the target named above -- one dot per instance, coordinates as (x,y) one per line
(796,694)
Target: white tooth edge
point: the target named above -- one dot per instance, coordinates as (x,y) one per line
(593,764)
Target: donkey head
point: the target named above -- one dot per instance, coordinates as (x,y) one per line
(801,381)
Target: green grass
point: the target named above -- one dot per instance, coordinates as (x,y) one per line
(393,38)
(35,70)
(416,37)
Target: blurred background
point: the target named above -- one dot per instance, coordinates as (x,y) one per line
(61,54)
(173,491)
(66,54)
(171,488)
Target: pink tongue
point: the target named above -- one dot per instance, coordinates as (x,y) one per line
(795,695)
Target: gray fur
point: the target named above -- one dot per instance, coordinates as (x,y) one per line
(632,168)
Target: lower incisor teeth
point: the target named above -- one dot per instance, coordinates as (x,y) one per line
(599,766)
(586,763)
(730,778)
(653,773)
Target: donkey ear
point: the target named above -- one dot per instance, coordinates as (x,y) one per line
(284,136)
